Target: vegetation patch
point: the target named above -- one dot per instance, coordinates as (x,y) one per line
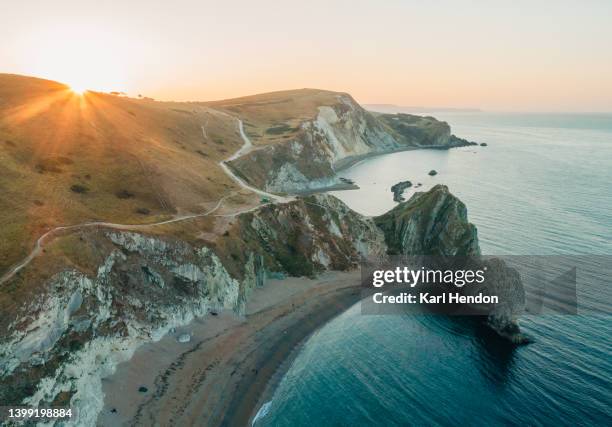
(78,188)
(53,164)
(280,129)
(124,194)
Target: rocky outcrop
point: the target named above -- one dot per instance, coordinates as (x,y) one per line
(311,235)
(431,223)
(398,190)
(505,282)
(435,224)
(422,131)
(339,135)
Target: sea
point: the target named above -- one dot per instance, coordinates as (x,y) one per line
(541,186)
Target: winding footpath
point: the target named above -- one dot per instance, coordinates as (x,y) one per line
(246,147)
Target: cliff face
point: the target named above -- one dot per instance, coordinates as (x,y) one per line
(422,131)
(115,290)
(340,133)
(310,235)
(431,223)
(60,344)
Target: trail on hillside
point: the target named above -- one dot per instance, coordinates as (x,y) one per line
(246,147)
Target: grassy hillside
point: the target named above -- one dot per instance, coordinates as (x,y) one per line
(67,159)
(275,117)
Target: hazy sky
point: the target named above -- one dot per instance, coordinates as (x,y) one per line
(519,55)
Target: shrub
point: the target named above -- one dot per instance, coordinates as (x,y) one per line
(78,188)
(124,194)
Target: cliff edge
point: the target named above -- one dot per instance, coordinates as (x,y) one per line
(299,156)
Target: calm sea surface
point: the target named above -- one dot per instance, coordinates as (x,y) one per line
(543,186)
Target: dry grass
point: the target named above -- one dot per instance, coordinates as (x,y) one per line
(67,159)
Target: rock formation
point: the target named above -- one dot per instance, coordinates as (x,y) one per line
(398,190)
(431,223)
(505,282)
(339,135)
(435,223)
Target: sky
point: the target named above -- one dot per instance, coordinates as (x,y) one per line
(502,56)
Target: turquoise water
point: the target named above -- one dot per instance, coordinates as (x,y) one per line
(541,187)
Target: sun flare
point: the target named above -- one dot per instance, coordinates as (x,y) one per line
(78,89)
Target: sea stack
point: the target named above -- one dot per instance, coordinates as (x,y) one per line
(435,223)
(398,190)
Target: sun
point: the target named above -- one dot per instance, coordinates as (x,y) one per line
(78,89)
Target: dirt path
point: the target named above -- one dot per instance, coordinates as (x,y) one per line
(246,147)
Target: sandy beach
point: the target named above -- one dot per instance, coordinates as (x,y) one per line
(231,363)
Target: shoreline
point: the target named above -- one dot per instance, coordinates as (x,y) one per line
(348,162)
(259,395)
(233,364)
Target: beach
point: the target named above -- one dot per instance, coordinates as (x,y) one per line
(231,363)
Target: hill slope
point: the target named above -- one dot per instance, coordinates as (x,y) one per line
(67,159)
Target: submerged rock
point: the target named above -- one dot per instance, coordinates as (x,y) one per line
(483,144)
(432,172)
(398,190)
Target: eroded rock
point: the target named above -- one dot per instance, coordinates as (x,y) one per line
(398,190)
